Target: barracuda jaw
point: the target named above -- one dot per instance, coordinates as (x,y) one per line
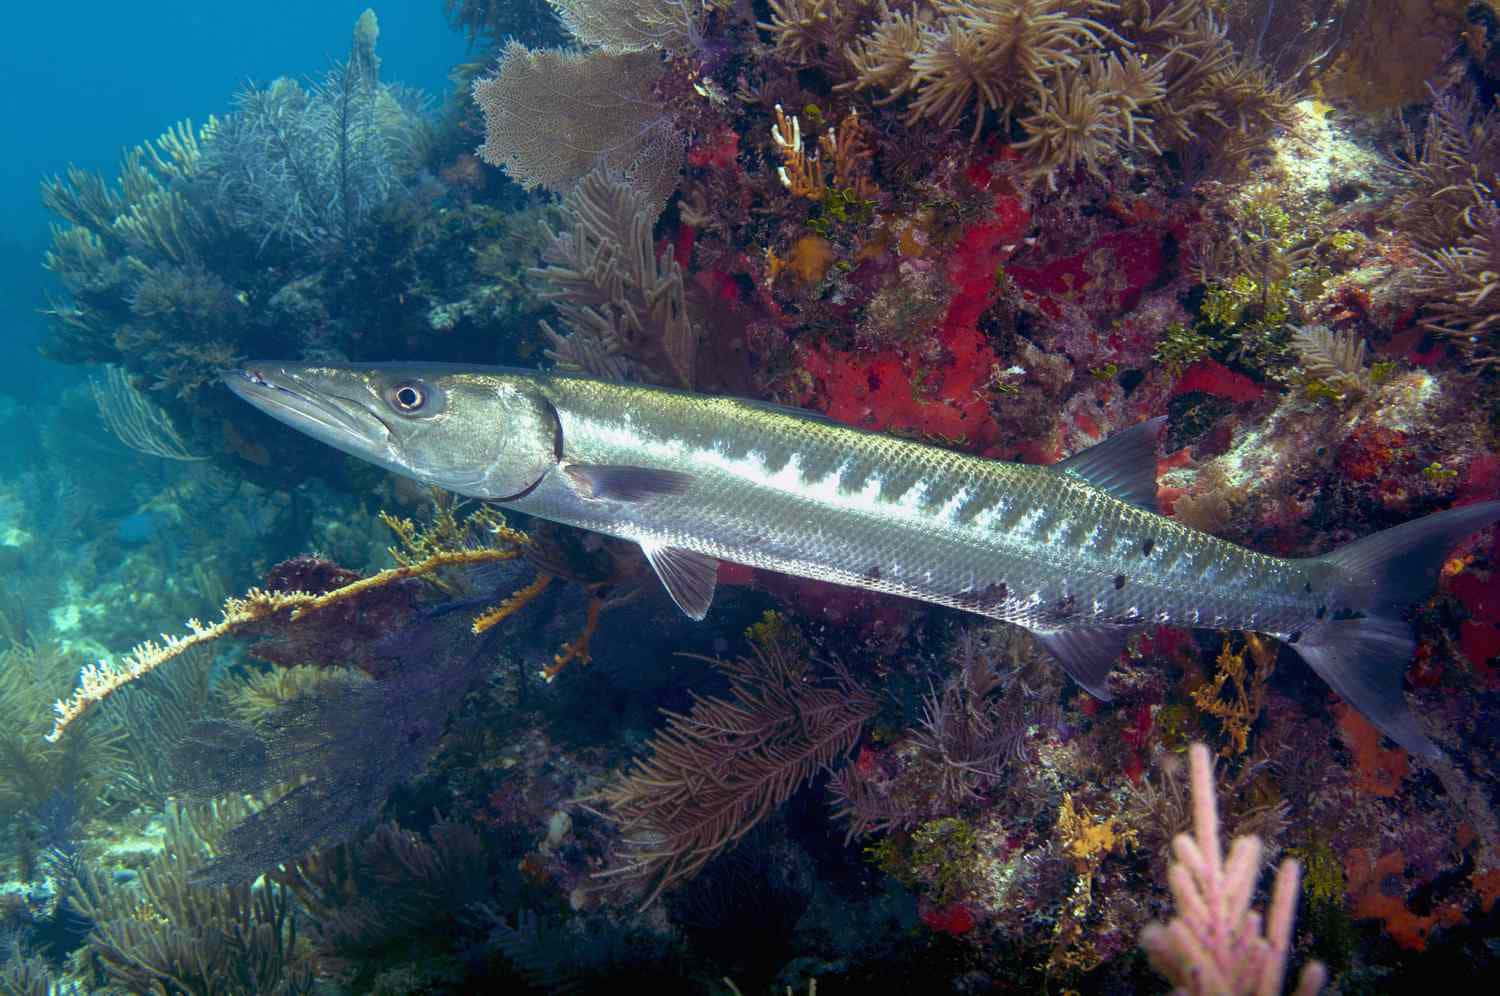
(337,419)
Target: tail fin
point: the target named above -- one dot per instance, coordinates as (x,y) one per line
(1381,575)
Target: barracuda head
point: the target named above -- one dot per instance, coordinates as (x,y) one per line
(482,432)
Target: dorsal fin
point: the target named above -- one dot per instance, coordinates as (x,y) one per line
(1124,464)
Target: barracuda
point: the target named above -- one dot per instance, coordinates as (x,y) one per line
(1075,552)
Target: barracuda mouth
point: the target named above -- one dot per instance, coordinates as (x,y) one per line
(345,422)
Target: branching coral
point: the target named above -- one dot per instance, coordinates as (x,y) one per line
(1087,85)
(1459,147)
(719,769)
(99,681)
(623,302)
(1335,360)
(970,730)
(145,212)
(119,235)
(1461,280)
(222,239)
(979,55)
(1215,944)
(135,420)
(167,935)
(366,895)
(882,58)
(971,734)
(1246,684)
(1089,118)
(810,31)
(313,166)
(843,149)
(47,790)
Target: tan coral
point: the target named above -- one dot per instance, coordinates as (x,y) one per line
(1461,280)
(883,57)
(1078,124)
(807,31)
(979,55)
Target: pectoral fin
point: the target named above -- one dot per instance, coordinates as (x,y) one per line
(612,482)
(688,577)
(1087,653)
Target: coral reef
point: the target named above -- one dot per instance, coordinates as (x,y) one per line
(1012,227)
(163,934)
(328,220)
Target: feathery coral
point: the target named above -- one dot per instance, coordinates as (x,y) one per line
(97,682)
(719,769)
(991,55)
(623,303)
(1461,281)
(1337,359)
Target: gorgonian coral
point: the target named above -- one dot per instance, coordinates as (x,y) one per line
(989,55)
(1461,280)
(551,116)
(1087,83)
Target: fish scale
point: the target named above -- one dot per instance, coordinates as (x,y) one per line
(1075,552)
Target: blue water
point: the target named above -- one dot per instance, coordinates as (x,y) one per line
(85,80)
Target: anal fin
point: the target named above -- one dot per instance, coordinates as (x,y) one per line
(689,577)
(1087,653)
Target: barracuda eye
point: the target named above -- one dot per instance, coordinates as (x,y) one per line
(408,398)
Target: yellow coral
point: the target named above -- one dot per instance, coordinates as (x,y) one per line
(844,148)
(97,682)
(1087,840)
(1247,690)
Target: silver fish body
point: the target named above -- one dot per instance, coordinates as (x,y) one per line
(1073,552)
(1037,546)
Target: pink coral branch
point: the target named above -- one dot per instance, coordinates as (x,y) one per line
(1214,946)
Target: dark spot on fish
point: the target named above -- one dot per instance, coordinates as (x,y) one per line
(872,573)
(1294,637)
(1064,609)
(1322,611)
(1307,587)
(1147,547)
(989,597)
(1119,581)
